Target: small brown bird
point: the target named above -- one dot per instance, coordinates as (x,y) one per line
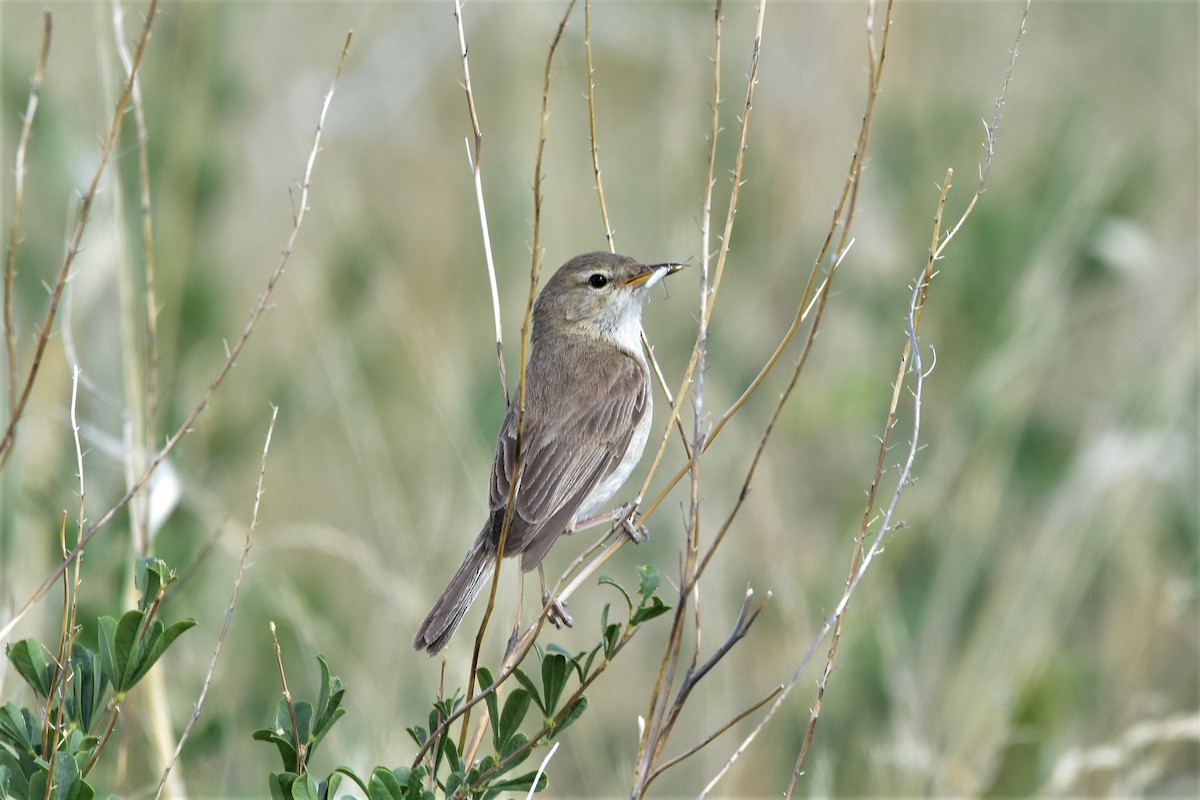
(586,421)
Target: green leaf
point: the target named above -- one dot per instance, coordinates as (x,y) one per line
(328,787)
(514,744)
(126,649)
(283,720)
(575,660)
(555,671)
(515,708)
(287,751)
(612,638)
(78,745)
(526,682)
(605,580)
(305,788)
(17,728)
(522,784)
(152,578)
(280,784)
(412,780)
(384,785)
(108,656)
(418,735)
(573,712)
(37,784)
(484,676)
(586,669)
(29,660)
(13,782)
(648,580)
(157,641)
(68,782)
(352,775)
(88,687)
(329,706)
(451,753)
(644,613)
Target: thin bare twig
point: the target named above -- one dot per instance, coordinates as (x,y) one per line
(911,350)
(237,584)
(591,98)
(712,737)
(662,714)
(256,313)
(475,159)
(18,408)
(847,204)
(526,324)
(301,747)
(14,231)
(861,559)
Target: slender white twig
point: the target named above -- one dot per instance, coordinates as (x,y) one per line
(591,98)
(474,158)
(75,434)
(237,584)
(541,770)
(886,524)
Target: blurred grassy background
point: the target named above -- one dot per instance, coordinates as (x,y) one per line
(1042,598)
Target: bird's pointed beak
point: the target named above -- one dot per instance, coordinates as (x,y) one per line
(653,273)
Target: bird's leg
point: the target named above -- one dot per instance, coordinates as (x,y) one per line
(623,514)
(557,615)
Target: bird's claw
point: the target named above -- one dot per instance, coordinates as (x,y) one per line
(636,533)
(557,614)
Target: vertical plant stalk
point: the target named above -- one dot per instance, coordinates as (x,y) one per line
(85,207)
(474,158)
(237,584)
(53,735)
(911,350)
(141,363)
(526,324)
(608,231)
(644,512)
(137,298)
(14,231)
(300,747)
(861,559)
(591,98)
(222,372)
(662,712)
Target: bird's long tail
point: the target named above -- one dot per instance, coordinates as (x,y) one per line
(443,619)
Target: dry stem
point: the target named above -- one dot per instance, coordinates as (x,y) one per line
(14,231)
(662,715)
(591,98)
(474,158)
(256,313)
(237,584)
(18,408)
(534,271)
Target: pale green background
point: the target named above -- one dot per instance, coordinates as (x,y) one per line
(1042,597)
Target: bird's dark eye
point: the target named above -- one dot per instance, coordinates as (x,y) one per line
(597,281)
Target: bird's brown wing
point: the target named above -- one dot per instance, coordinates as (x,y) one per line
(566,453)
